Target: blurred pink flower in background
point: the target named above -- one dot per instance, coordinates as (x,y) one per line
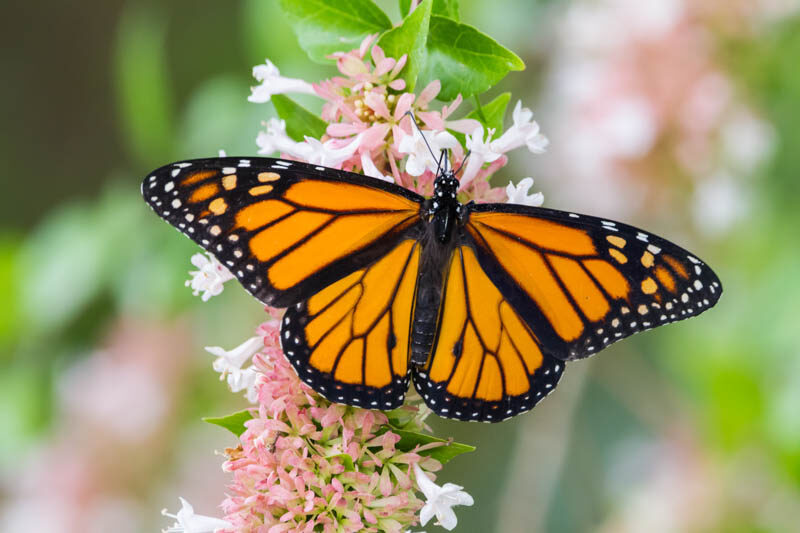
(637,103)
(112,431)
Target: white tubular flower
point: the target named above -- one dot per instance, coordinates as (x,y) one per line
(210,278)
(519,194)
(229,364)
(480,151)
(369,169)
(244,380)
(440,500)
(274,139)
(525,131)
(312,151)
(420,157)
(273,83)
(325,154)
(486,150)
(236,358)
(188,522)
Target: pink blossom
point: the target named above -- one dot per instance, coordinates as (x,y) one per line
(366,106)
(290,472)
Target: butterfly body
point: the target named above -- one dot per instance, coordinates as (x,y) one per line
(480,305)
(441,217)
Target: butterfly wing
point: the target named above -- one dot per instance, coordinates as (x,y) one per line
(285,229)
(487,364)
(582,283)
(350,340)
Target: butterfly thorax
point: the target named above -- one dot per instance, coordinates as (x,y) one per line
(443,208)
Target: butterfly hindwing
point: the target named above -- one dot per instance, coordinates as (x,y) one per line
(487,364)
(582,282)
(350,340)
(285,229)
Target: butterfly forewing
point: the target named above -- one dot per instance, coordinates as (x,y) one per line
(285,229)
(581,282)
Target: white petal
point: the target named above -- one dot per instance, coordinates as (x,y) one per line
(537,144)
(273,83)
(519,194)
(421,154)
(206,524)
(239,355)
(240,380)
(188,522)
(275,139)
(200,260)
(425,484)
(447,518)
(210,278)
(369,169)
(427,512)
(521,115)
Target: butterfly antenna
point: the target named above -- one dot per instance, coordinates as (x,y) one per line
(463,161)
(414,121)
(442,160)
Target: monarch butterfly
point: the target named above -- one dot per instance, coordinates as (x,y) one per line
(480,305)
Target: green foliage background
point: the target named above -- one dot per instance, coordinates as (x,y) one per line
(98,93)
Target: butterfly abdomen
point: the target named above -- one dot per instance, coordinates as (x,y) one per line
(423,329)
(430,285)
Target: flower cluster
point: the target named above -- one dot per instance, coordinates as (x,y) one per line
(637,96)
(305,463)
(371,130)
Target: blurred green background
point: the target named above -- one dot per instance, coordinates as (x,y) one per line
(679,116)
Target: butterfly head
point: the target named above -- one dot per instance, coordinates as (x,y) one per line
(445,187)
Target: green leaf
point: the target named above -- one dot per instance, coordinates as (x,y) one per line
(326,26)
(405,7)
(490,116)
(299,120)
(466,60)
(493,113)
(410,439)
(409,37)
(446,8)
(143,83)
(233,422)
